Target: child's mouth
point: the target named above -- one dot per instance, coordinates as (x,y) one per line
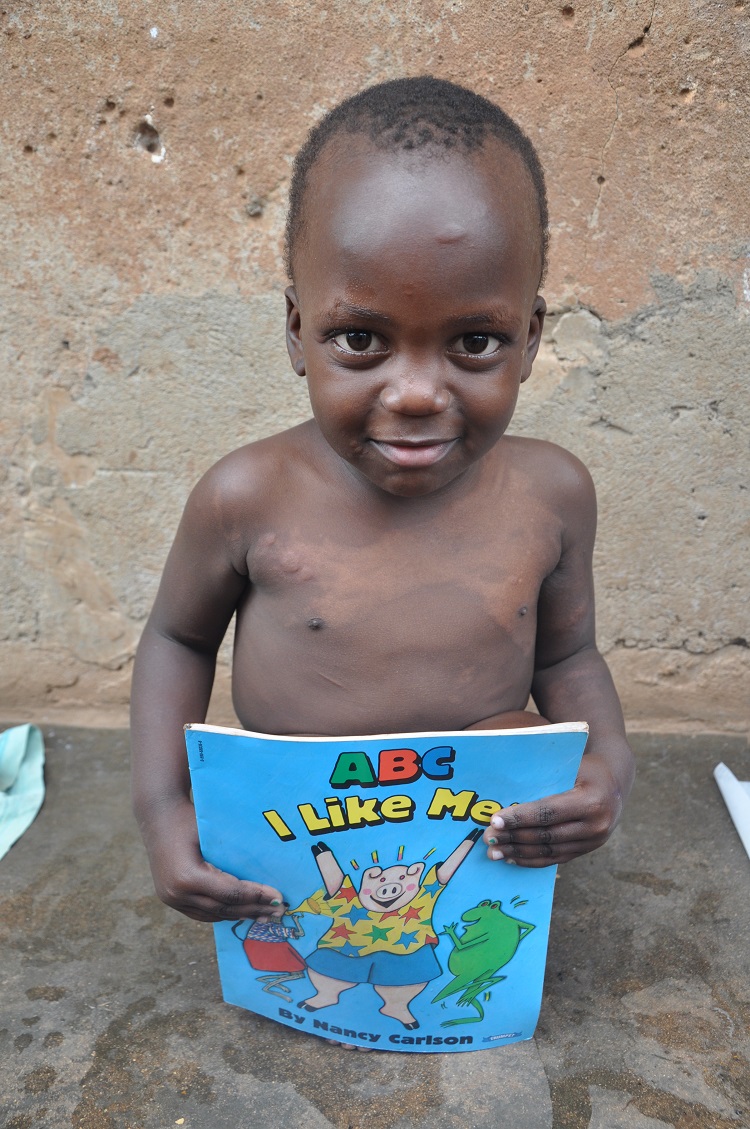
(414,453)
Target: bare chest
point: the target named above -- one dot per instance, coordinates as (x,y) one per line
(351,629)
(439,583)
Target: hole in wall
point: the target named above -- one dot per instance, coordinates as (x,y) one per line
(148,140)
(169,101)
(568,12)
(601,179)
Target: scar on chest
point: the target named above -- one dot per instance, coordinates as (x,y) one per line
(315,624)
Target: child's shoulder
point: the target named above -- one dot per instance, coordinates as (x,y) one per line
(249,481)
(548,464)
(257,468)
(554,476)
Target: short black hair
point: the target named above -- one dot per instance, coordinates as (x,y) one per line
(414,113)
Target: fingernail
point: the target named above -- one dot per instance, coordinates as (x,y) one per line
(497,822)
(262,920)
(492,842)
(495,854)
(275,902)
(511,862)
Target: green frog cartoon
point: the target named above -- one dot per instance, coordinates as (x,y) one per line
(489,941)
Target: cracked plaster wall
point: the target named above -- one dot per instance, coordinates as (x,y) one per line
(146,159)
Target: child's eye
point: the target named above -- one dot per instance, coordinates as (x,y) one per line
(358,341)
(477,344)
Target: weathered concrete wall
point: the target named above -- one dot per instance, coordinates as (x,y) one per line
(142,318)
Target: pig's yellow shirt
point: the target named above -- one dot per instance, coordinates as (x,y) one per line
(357,932)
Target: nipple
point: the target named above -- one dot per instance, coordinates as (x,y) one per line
(523,610)
(315,624)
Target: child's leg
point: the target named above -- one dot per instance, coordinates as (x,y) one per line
(512,719)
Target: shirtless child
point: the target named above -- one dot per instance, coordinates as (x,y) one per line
(396,563)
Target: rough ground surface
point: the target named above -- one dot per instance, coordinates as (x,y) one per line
(146,154)
(111,1015)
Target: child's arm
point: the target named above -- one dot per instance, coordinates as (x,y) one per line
(172,680)
(571,683)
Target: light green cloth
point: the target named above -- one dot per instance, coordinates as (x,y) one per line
(21,781)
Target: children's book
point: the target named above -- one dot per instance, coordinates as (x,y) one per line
(399,932)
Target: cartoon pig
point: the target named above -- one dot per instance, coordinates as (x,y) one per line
(381,934)
(388,889)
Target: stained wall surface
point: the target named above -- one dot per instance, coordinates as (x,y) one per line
(146,151)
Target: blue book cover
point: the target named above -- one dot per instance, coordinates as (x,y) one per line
(400,933)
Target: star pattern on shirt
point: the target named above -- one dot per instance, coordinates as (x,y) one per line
(348,950)
(406,939)
(433,887)
(356,914)
(358,932)
(346,893)
(378,934)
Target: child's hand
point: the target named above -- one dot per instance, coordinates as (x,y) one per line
(207,894)
(559,828)
(186,882)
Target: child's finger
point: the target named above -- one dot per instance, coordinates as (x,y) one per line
(203,908)
(546,817)
(543,844)
(572,828)
(228,898)
(527,857)
(547,812)
(536,843)
(573,840)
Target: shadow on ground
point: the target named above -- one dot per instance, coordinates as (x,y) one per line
(112,1017)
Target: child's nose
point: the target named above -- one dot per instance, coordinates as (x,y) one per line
(415,393)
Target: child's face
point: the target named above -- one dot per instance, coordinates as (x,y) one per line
(415,313)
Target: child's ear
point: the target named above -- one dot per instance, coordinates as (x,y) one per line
(293,327)
(536,325)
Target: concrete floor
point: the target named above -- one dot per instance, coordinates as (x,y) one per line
(112,1019)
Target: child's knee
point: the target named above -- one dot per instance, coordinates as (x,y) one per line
(511,719)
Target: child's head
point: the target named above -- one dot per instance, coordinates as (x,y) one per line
(414,114)
(416,241)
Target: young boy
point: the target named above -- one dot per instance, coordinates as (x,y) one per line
(396,563)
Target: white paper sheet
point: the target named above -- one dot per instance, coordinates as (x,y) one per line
(736,795)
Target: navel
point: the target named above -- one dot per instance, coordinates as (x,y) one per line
(315,624)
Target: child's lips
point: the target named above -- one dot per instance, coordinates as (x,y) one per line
(413,453)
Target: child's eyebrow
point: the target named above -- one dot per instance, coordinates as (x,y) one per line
(479,318)
(485,317)
(360,312)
